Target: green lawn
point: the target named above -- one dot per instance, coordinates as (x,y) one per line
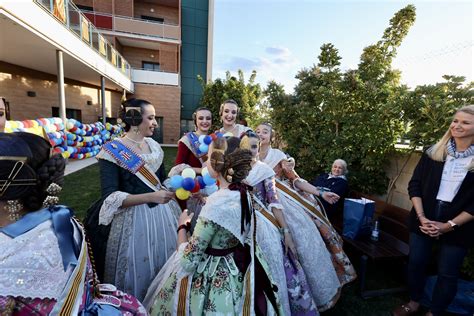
(83,187)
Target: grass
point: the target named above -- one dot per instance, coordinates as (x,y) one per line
(82,188)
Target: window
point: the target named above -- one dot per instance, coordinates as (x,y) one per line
(70,113)
(148,65)
(84,7)
(186,126)
(152,18)
(158,132)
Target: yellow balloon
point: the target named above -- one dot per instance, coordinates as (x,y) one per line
(182,194)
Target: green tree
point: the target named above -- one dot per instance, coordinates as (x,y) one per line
(247,94)
(353,115)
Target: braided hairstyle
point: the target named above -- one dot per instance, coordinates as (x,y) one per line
(39,165)
(127,116)
(232,162)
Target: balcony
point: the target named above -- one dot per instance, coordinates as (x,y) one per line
(39,28)
(155,77)
(128,26)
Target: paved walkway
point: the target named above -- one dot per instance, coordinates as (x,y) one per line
(74,165)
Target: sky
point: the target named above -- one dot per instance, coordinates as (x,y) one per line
(277,38)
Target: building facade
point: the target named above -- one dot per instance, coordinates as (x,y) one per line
(148,49)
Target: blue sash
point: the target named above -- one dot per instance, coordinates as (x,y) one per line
(61,218)
(125,157)
(194,141)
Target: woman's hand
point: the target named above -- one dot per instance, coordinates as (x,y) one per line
(433,228)
(161,197)
(185,218)
(199,196)
(288,165)
(289,244)
(330,197)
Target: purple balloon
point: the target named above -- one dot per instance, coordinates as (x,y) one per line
(188,184)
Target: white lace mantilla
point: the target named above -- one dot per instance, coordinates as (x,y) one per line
(112,206)
(223,208)
(274,157)
(31,264)
(260,171)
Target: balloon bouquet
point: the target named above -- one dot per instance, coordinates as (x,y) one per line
(188,182)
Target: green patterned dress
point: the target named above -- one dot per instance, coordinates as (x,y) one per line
(195,283)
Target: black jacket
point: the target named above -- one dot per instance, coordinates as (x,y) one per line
(336,185)
(425,184)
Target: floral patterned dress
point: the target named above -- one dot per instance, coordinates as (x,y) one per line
(294,292)
(194,282)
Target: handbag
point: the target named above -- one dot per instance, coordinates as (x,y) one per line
(358,215)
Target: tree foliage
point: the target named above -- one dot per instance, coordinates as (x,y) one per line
(354,115)
(247,95)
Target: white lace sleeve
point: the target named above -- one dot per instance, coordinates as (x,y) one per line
(112,205)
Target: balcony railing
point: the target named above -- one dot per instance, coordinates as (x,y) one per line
(155,77)
(131,25)
(72,18)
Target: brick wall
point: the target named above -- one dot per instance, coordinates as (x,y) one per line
(167,102)
(122,7)
(15,81)
(166,56)
(169,14)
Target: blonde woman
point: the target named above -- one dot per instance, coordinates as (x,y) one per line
(442,193)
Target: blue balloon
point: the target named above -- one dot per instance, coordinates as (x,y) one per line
(207,140)
(208,180)
(201,181)
(188,184)
(176,181)
(203,148)
(219,134)
(201,139)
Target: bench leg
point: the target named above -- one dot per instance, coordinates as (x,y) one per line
(362,273)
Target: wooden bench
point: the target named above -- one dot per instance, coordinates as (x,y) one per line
(392,243)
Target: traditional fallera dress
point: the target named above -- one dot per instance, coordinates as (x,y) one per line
(237,131)
(318,245)
(294,293)
(45,268)
(141,237)
(213,273)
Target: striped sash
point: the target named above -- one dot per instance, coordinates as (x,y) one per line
(307,205)
(126,158)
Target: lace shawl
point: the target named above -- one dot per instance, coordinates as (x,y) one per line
(274,157)
(31,264)
(223,208)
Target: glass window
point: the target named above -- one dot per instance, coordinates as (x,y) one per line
(147,65)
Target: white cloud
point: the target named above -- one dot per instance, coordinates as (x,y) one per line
(277,64)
